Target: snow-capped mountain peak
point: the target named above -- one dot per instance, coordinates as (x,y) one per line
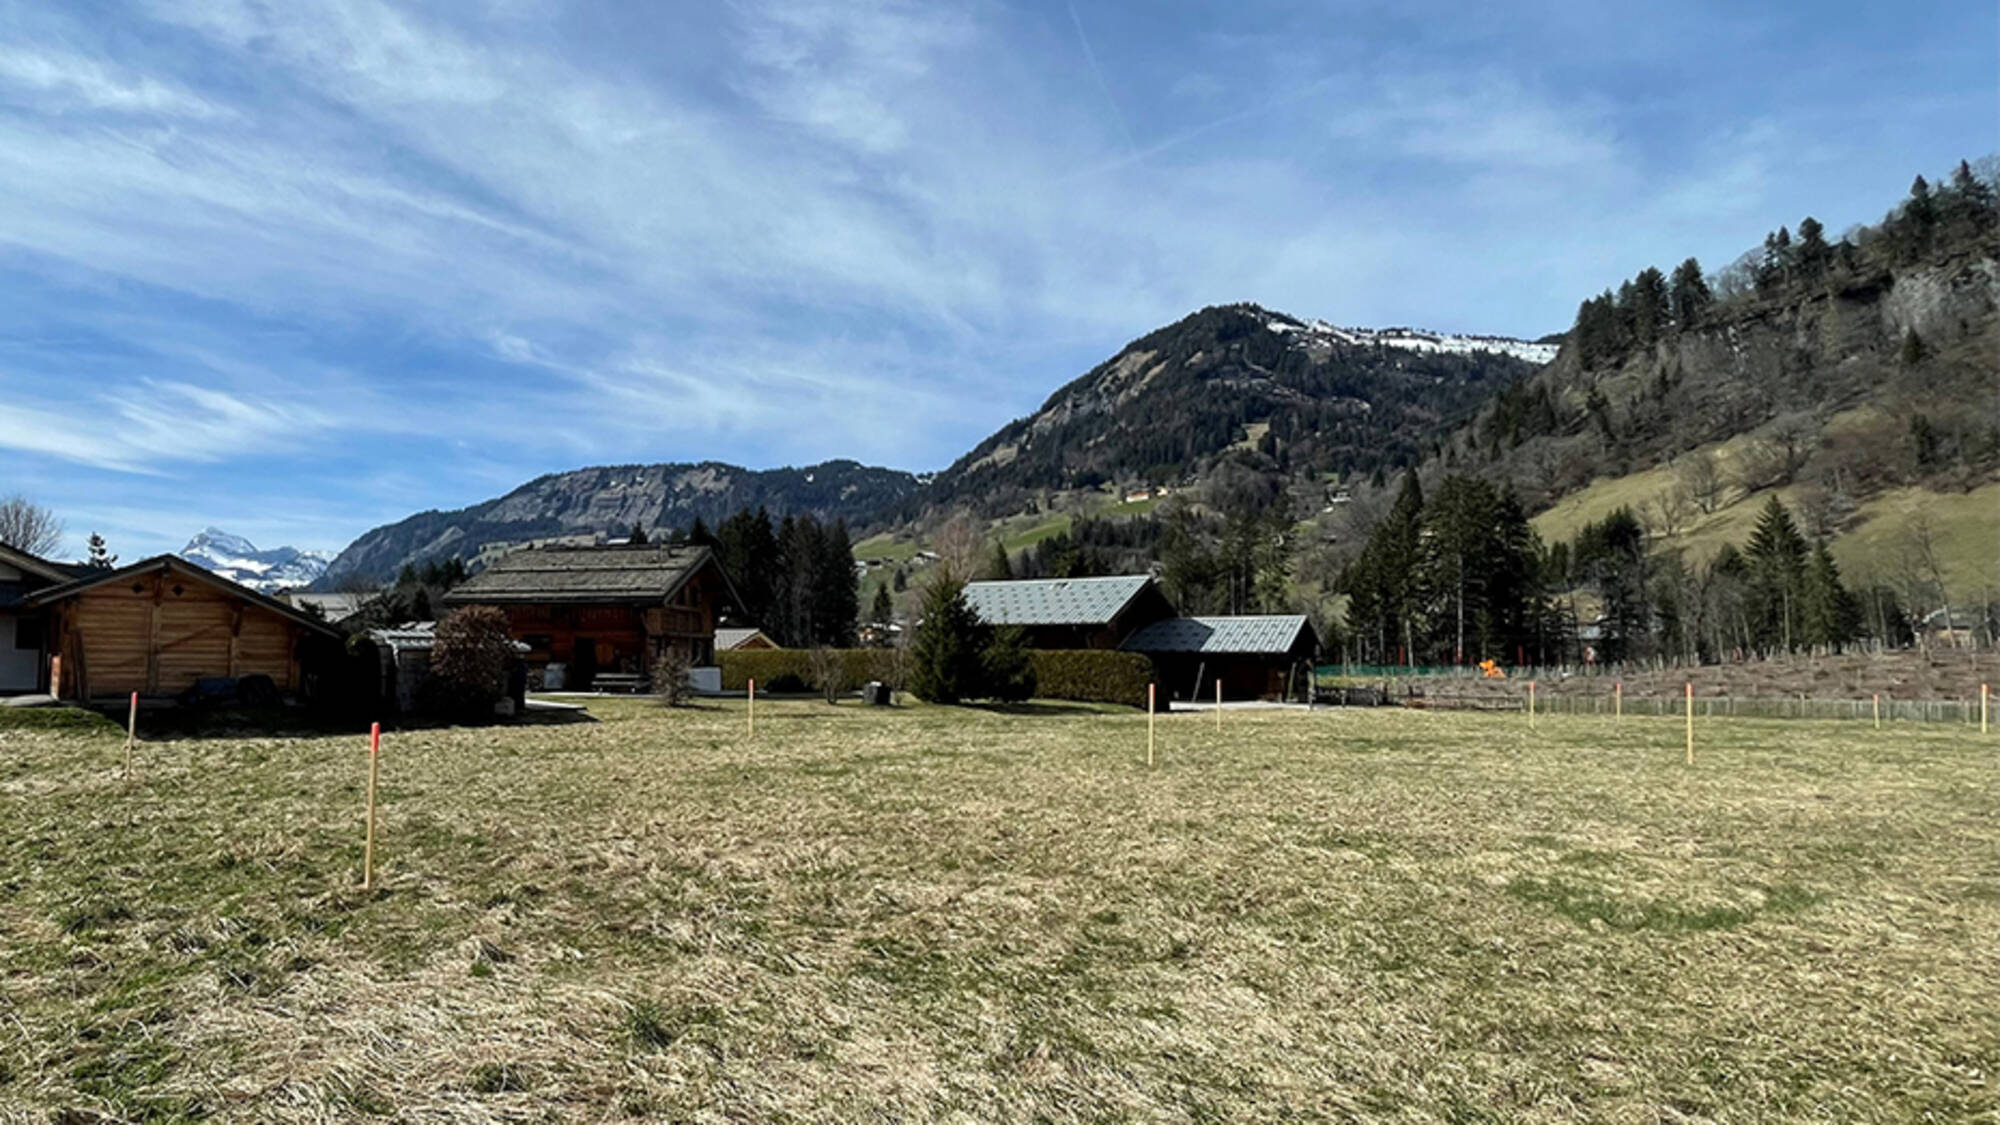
(237,559)
(1410,339)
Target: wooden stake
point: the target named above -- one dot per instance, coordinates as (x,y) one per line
(1618,699)
(1878,710)
(1150,713)
(1218,706)
(131,732)
(1531,704)
(1985,695)
(1690,722)
(753,708)
(368,846)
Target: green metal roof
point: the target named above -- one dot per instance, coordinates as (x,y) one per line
(1271,634)
(1054,601)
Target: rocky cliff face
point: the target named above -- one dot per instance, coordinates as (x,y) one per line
(607,501)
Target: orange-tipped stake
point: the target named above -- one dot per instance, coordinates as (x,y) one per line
(753,708)
(1151,719)
(368,845)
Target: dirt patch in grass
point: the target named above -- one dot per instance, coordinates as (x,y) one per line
(942,914)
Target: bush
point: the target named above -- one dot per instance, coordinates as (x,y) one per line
(790,670)
(469,661)
(828,669)
(670,677)
(1092,676)
(1007,672)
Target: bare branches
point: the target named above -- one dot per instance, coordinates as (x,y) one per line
(27,526)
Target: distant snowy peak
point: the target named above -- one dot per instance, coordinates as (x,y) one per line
(239,560)
(1410,339)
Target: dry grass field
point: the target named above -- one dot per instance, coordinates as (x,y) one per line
(964,915)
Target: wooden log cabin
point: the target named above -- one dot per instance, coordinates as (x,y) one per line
(158,626)
(610,609)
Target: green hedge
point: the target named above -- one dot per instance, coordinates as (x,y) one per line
(1092,676)
(790,669)
(1083,675)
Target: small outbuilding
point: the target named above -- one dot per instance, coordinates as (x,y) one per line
(1255,657)
(159,626)
(731,638)
(23,627)
(1071,613)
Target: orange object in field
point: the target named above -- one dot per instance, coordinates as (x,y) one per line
(1490,668)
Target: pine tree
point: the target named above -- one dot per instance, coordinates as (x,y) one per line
(1007,671)
(1001,567)
(883,609)
(945,657)
(1829,616)
(638,535)
(1777,555)
(100,556)
(836,594)
(1813,255)
(1689,294)
(699,536)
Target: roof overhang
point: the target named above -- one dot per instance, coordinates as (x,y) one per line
(178,565)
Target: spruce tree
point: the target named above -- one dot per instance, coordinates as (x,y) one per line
(1001,567)
(100,557)
(1689,294)
(638,534)
(1829,616)
(946,655)
(1007,671)
(1777,556)
(883,609)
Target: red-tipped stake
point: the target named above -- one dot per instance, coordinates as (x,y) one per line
(753,708)
(1531,704)
(368,845)
(1618,699)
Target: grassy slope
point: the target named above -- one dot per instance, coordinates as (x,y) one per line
(934,914)
(1967,523)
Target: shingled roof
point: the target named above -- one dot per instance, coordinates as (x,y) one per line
(1054,601)
(640,574)
(1236,635)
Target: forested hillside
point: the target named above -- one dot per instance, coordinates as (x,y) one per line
(1705,451)
(1304,399)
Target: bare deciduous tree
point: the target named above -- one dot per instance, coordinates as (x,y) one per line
(1697,472)
(828,672)
(1672,508)
(961,548)
(27,526)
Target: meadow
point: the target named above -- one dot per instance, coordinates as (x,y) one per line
(958,914)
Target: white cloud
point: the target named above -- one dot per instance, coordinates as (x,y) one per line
(69,80)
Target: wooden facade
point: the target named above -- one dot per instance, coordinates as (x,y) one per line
(615,609)
(159,626)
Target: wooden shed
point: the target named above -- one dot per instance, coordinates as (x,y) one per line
(1254,657)
(1070,613)
(158,626)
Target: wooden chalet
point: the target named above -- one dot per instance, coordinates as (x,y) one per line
(1071,613)
(1255,657)
(609,609)
(158,626)
(24,628)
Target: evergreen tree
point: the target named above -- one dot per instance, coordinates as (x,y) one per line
(1007,672)
(1829,616)
(1649,306)
(1000,567)
(699,536)
(945,657)
(1689,294)
(100,556)
(1777,556)
(638,534)
(748,551)
(836,591)
(883,609)
(1813,255)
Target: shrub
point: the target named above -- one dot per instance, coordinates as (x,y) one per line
(790,670)
(1092,676)
(827,668)
(670,677)
(1007,673)
(469,661)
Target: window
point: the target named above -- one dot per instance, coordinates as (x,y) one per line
(29,633)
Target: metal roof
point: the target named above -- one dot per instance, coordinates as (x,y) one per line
(643,573)
(418,636)
(1054,601)
(1275,633)
(728,637)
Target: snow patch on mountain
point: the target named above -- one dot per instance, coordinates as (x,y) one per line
(237,559)
(1411,339)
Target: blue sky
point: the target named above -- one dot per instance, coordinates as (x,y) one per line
(301,267)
